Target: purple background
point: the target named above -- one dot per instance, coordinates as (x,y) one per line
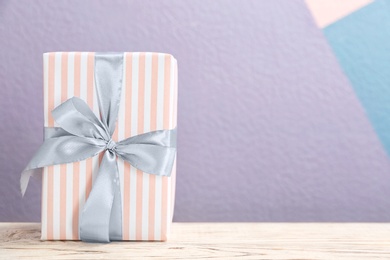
(269,126)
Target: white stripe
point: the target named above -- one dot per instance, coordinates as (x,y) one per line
(69,167)
(134,96)
(133,202)
(145,206)
(44,205)
(83,96)
(56,202)
(157,219)
(83,76)
(160,125)
(69,201)
(57,81)
(70,75)
(148,91)
(45,88)
(145,176)
(160,92)
(134,126)
(171,92)
(56,168)
(82,186)
(95,100)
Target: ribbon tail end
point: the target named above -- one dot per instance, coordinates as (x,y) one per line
(25,178)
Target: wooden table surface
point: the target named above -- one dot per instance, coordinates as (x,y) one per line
(214,240)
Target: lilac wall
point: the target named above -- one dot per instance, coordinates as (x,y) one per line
(269,126)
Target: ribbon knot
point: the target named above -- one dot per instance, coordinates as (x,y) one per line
(110,145)
(82,135)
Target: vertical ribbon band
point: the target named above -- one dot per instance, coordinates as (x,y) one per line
(82,135)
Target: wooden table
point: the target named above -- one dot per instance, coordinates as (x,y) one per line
(214,240)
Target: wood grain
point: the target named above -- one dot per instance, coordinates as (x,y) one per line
(214,240)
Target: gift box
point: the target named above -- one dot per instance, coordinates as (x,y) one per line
(148,102)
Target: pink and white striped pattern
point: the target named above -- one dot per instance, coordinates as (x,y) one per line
(149,102)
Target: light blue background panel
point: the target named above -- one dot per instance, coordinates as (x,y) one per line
(361,42)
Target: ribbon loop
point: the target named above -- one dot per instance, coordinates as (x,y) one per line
(60,150)
(142,150)
(75,117)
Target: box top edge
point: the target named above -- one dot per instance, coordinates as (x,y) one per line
(135,52)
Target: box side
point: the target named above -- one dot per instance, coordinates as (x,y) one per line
(174,170)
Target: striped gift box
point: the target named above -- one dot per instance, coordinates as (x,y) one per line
(149,103)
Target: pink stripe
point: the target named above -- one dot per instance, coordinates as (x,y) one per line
(90,73)
(164,203)
(101,157)
(126,174)
(64,77)
(141,98)
(90,89)
(63,167)
(153,127)
(50,202)
(76,165)
(50,169)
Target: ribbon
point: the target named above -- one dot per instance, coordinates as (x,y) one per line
(82,135)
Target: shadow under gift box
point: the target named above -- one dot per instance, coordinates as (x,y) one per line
(148,103)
